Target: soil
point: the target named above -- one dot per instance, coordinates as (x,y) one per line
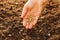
(11,28)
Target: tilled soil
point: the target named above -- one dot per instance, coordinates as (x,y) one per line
(11,28)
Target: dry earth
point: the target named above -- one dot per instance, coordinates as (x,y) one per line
(11,28)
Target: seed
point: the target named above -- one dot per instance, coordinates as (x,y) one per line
(30,18)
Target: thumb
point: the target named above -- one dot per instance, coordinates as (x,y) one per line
(26,8)
(24,12)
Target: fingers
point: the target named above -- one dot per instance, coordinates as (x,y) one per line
(35,21)
(26,8)
(24,22)
(24,12)
(29,26)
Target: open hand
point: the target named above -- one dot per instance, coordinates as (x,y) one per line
(31,12)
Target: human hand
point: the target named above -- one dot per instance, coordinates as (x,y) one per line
(31,12)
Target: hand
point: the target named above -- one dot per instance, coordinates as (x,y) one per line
(31,12)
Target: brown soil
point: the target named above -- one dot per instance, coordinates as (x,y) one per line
(11,28)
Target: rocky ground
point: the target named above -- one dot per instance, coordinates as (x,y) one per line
(11,28)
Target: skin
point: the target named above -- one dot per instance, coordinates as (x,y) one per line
(31,12)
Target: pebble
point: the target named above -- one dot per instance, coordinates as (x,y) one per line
(16,3)
(49,34)
(9,35)
(22,39)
